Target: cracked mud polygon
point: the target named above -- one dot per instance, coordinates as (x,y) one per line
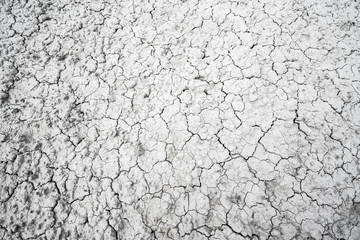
(179,119)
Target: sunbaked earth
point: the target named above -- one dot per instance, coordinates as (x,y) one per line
(179,119)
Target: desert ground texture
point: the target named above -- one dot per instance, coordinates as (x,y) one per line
(179,119)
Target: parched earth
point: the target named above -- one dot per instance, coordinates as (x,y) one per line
(178,119)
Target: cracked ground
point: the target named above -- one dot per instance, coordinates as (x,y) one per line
(179,119)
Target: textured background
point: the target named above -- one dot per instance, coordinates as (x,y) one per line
(179,119)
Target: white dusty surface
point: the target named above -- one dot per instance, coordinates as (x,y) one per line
(180,119)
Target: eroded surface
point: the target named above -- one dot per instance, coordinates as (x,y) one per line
(180,119)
